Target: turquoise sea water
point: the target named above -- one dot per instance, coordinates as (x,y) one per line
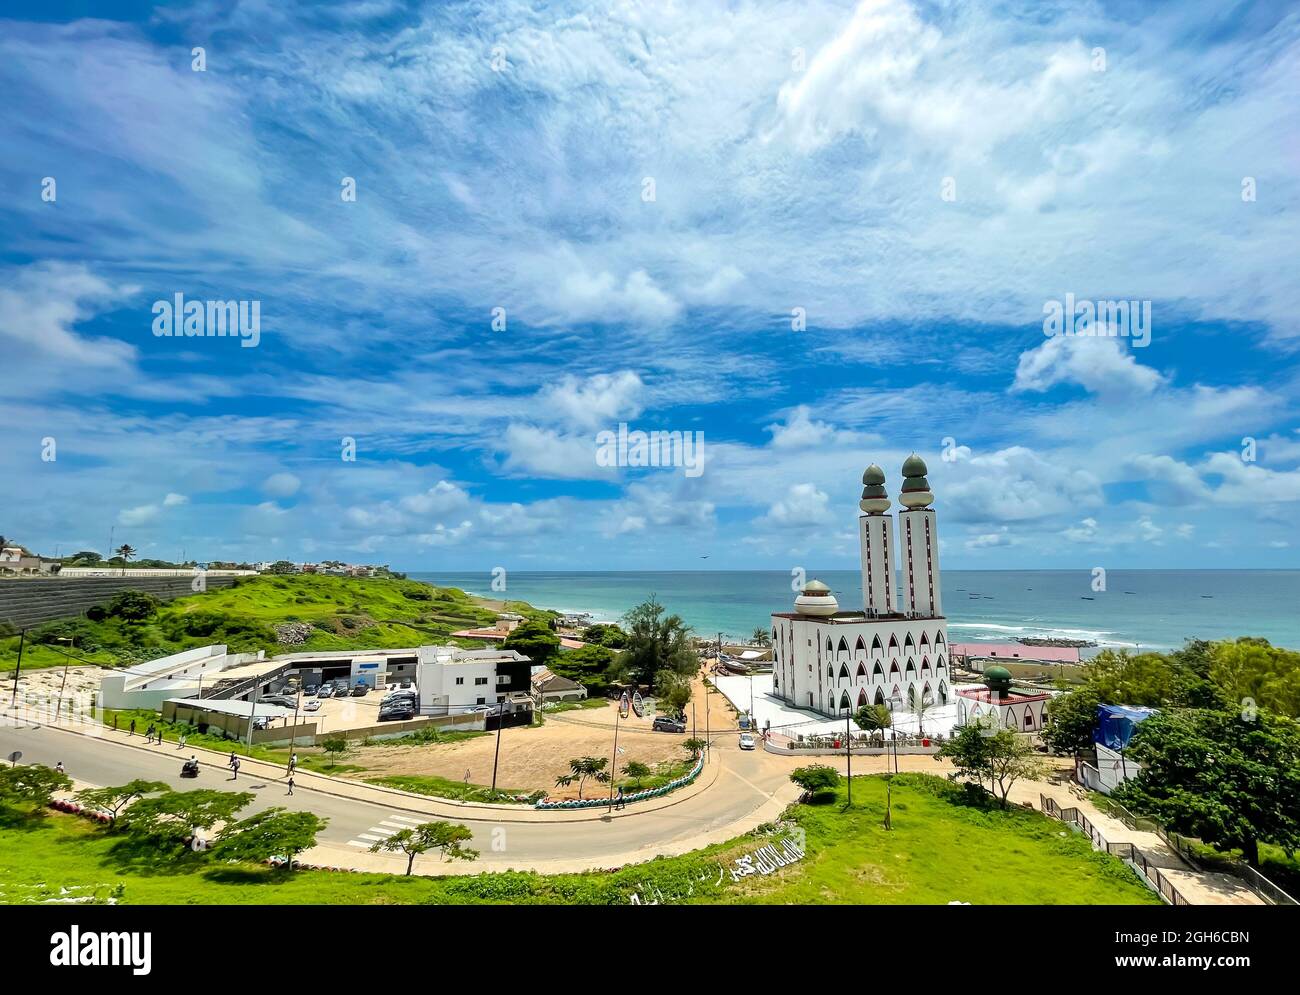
(1158,609)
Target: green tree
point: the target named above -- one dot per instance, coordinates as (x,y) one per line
(273,832)
(1229,779)
(673,692)
(919,704)
(999,756)
(588,665)
(636,770)
(170,818)
(113,800)
(816,779)
(605,634)
(761,637)
(873,718)
(535,640)
(446,837)
(1071,720)
(33,784)
(87,557)
(582,768)
(656,643)
(283,567)
(133,606)
(694,746)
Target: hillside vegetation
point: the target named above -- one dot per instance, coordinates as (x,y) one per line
(258,613)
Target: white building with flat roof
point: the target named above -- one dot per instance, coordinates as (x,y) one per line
(454,680)
(180,675)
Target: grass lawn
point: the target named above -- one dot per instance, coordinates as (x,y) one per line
(940,850)
(442,787)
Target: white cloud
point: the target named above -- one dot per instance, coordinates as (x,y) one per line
(173,499)
(802,507)
(600,400)
(142,514)
(281,485)
(1099,364)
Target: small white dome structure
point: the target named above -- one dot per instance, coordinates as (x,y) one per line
(816,599)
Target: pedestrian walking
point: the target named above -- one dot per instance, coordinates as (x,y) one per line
(133,727)
(234,766)
(290,784)
(293,763)
(618,801)
(181,745)
(59,767)
(467,775)
(233,761)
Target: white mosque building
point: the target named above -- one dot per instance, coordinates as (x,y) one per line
(834,661)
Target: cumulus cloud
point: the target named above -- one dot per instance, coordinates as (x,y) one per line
(1101,365)
(281,485)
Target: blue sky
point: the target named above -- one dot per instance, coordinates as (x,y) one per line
(919,178)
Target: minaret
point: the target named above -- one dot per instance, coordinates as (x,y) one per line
(919,539)
(875,533)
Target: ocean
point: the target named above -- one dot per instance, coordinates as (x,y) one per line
(1149,609)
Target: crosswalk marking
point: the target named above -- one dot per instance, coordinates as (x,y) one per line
(390,825)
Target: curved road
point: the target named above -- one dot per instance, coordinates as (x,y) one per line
(749,787)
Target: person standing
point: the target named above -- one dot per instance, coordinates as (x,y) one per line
(618,801)
(181,744)
(132,727)
(290,784)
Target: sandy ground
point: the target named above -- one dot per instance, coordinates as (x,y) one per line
(532,759)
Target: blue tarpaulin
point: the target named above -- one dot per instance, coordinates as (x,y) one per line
(1115,724)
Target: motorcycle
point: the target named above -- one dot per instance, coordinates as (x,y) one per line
(190,769)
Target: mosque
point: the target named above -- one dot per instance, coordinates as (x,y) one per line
(834,661)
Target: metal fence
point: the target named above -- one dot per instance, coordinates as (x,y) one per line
(1127,852)
(1267,890)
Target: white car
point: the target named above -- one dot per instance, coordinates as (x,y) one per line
(746,741)
(311,706)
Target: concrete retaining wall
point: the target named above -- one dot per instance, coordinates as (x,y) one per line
(25,602)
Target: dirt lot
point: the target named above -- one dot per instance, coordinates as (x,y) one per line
(534,758)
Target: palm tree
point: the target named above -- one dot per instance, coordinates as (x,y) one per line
(760,637)
(874,718)
(919,703)
(582,768)
(126,552)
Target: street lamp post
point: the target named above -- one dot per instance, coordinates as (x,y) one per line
(72,644)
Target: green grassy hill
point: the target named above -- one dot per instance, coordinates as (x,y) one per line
(343,613)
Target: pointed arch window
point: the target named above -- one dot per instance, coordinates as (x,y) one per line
(830,671)
(862,699)
(925,640)
(938,639)
(876,671)
(910,669)
(875,644)
(859,646)
(893,642)
(843,646)
(880,696)
(844,672)
(844,701)
(893,670)
(862,671)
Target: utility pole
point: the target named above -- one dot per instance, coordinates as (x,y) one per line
(848,755)
(496,756)
(22,638)
(707,742)
(293,733)
(693,726)
(58,709)
(613,761)
(252,715)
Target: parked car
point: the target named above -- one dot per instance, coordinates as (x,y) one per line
(665,723)
(399,714)
(360,689)
(312,706)
(325,691)
(311,689)
(746,741)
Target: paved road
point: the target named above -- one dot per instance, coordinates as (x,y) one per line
(745,783)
